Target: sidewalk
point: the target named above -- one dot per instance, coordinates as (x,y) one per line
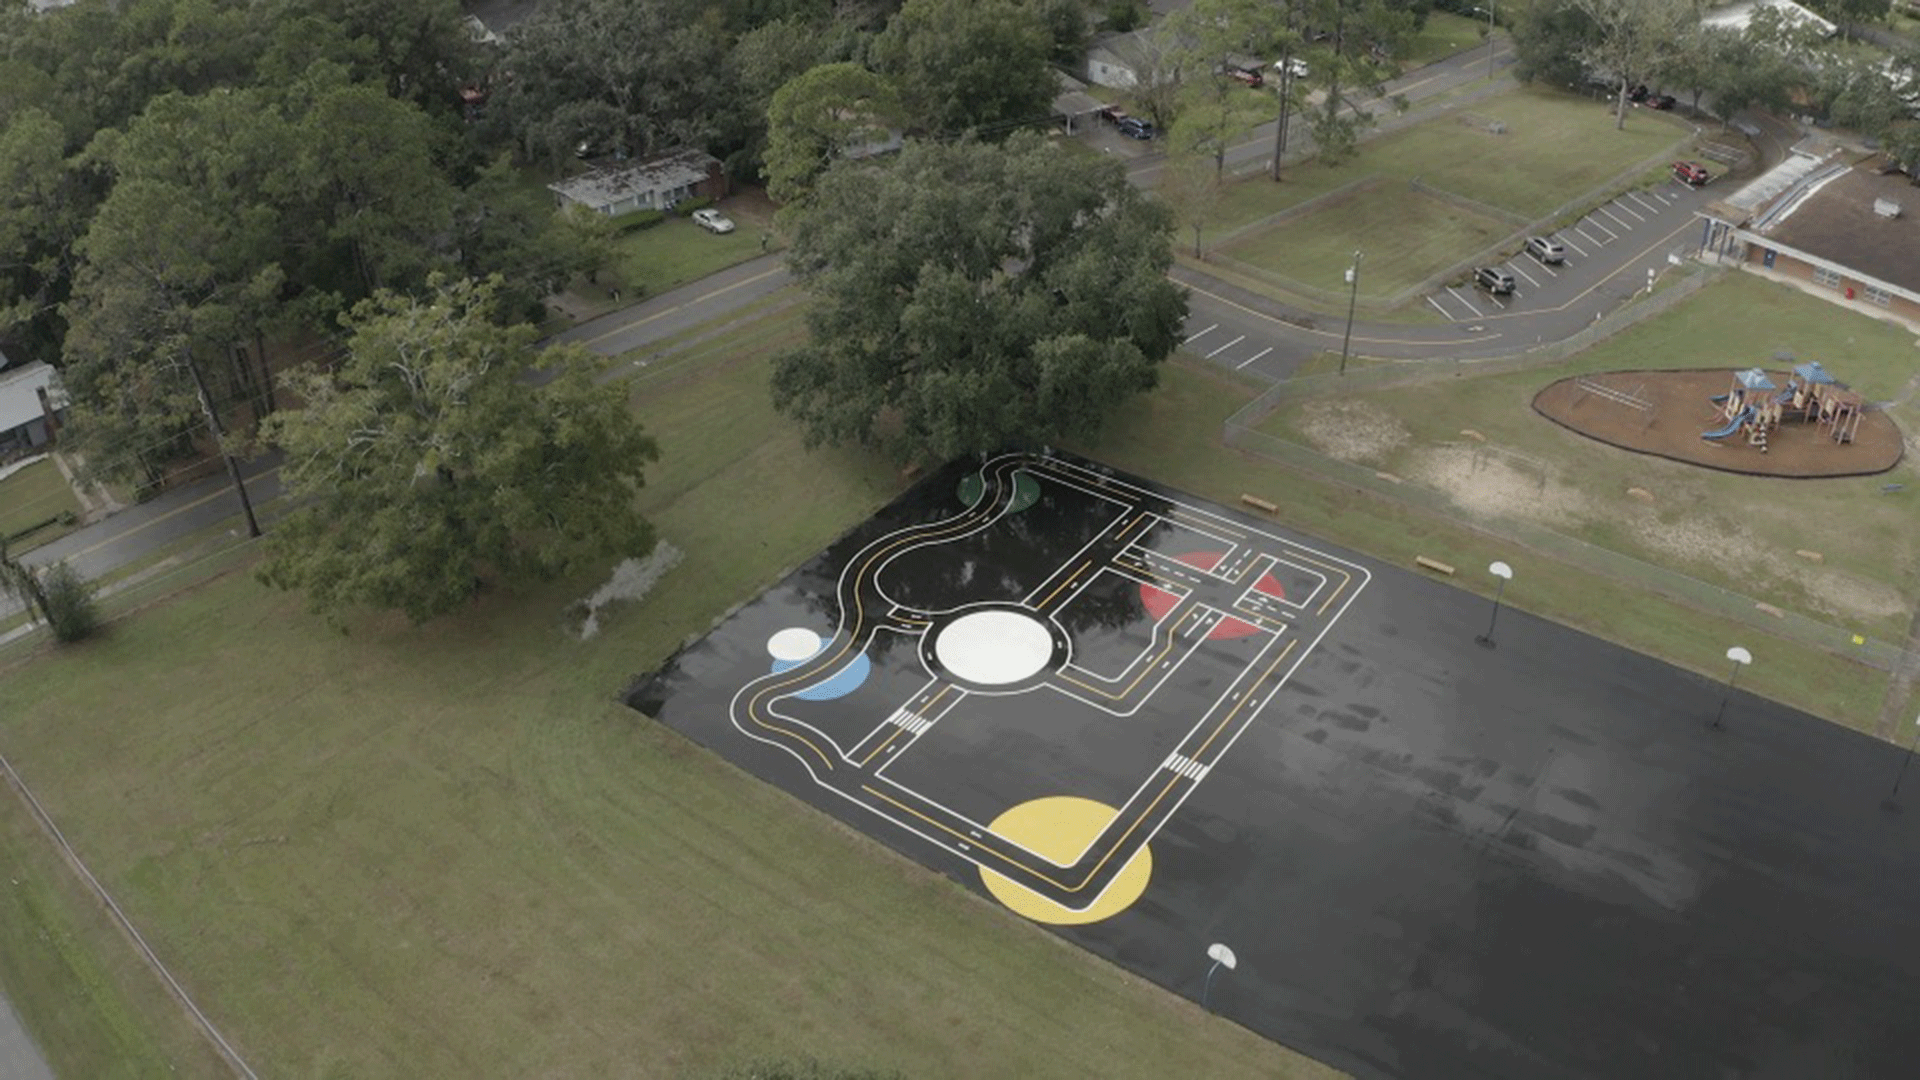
(20,1059)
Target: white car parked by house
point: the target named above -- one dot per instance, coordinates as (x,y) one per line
(713,220)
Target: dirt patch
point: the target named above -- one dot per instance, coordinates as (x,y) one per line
(1485,483)
(1351,430)
(1678,409)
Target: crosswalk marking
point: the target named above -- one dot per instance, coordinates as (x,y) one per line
(910,720)
(1186,767)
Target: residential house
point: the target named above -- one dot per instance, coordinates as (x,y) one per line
(656,184)
(1073,106)
(1134,59)
(1838,226)
(32,405)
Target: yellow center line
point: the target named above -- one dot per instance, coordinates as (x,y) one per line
(663,313)
(1172,637)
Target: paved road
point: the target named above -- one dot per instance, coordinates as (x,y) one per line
(147,527)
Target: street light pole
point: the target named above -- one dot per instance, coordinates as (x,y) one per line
(1892,802)
(1353,298)
(1505,574)
(1490,7)
(1741,658)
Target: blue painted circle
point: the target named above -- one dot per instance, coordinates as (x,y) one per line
(838,685)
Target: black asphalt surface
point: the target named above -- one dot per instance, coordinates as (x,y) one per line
(1436,860)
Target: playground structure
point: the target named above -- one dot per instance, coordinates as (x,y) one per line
(1635,399)
(1755,407)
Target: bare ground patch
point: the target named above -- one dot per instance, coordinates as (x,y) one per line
(1352,430)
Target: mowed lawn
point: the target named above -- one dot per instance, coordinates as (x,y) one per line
(447,851)
(1407,235)
(31,496)
(1557,146)
(1740,532)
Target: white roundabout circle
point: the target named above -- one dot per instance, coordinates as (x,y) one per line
(994,647)
(794,644)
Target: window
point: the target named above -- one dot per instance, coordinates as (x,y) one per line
(1878,296)
(1824,276)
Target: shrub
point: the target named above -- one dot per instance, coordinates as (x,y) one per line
(686,207)
(639,219)
(71,612)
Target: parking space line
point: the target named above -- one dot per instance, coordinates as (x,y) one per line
(1515,267)
(1624,227)
(1644,205)
(1574,246)
(1463,301)
(1227,346)
(1621,205)
(1252,358)
(1595,222)
(1550,271)
(1201,334)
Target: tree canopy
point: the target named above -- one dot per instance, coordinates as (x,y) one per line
(977,66)
(427,462)
(971,296)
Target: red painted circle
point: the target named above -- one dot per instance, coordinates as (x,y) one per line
(1158,601)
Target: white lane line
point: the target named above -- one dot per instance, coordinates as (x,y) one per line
(1621,205)
(1549,270)
(1595,222)
(1201,334)
(1515,267)
(1438,308)
(1451,291)
(1574,246)
(1252,358)
(1644,205)
(1624,227)
(1227,346)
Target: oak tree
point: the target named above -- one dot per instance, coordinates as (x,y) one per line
(430,460)
(970,296)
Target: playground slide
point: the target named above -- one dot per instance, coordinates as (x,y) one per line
(1733,425)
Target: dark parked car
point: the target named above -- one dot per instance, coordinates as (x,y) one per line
(1661,101)
(1135,128)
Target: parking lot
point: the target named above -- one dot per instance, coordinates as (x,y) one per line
(1609,251)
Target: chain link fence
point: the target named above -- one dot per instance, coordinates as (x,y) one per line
(1242,431)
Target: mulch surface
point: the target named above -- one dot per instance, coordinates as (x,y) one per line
(1683,409)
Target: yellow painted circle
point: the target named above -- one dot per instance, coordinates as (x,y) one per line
(1060,828)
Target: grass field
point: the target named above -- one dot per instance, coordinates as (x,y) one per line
(33,495)
(1556,146)
(1443,35)
(1736,531)
(447,851)
(1410,235)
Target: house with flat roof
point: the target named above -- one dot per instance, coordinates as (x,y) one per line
(655,184)
(1836,224)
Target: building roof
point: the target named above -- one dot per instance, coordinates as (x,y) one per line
(1739,16)
(19,393)
(609,185)
(1798,168)
(1837,220)
(1073,99)
(1142,52)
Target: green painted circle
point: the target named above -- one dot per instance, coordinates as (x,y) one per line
(1026,490)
